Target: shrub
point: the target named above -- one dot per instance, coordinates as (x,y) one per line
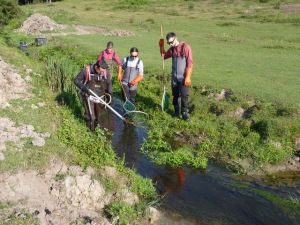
(8,10)
(133,3)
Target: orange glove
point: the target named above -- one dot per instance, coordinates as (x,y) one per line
(161,46)
(187,77)
(136,80)
(120,73)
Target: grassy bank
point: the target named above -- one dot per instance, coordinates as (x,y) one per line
(70,140)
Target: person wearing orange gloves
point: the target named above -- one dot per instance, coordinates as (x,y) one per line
(110,57)
(182,64)
(131,74)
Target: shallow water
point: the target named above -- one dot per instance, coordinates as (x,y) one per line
(211,196)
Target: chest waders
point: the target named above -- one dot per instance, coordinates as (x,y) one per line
(98,84)
(110,63)
(179,91)
(130,73)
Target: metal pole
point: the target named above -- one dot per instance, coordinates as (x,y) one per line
(107,105)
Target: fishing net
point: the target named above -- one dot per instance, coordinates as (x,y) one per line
(128,106)
(136,118)
(164,100)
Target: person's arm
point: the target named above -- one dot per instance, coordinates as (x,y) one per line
(168,53)
(121,70)
(188,55)
(140,75)
(79,81)
(117,59)
(100,57)
(189,65)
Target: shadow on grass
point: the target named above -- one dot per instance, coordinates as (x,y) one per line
(69,99)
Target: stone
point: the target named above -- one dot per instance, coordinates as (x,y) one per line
(110,171)
(38,141)
(27,79)
(41,104)
(28,71)
(2,157)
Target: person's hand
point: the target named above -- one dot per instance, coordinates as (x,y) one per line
(85,89)
(136,80)
(161,46)
(120,73)
(133,83)
(161,43)
(187,77)
(187,82)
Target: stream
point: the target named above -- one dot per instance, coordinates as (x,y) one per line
(212,196)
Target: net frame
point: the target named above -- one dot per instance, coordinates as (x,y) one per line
(136,118)
(127,105)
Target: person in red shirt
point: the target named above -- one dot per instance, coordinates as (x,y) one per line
(110,57)
(182,64)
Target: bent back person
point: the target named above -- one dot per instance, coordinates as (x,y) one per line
(110,57)
(131,74)
(93,77)
(182,63)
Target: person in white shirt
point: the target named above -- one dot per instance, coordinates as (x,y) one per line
(131,74)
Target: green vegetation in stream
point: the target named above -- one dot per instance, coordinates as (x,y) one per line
(289,205)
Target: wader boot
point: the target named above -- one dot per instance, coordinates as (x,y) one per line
(176,111)
(185,115)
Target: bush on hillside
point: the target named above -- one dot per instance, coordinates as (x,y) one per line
(132,3)
(8,10)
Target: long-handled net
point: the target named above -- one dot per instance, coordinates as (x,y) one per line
(96,99)
(164,100)
(165,97)
(136,118)
(127,105)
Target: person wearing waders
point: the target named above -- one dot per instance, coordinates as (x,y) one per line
(131,74)
(110,57)
(93,77)
(182,63)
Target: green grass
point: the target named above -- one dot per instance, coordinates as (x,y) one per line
(254,59)
(234,57)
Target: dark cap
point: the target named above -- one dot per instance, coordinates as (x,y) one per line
(101,64)
(134,49)
(110,44)
(170,35)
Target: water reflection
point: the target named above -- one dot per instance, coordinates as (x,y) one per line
(170,181)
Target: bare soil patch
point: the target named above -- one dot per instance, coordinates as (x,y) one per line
(12,85)
(290,8)
(40,25)
(54,199)
(37,23)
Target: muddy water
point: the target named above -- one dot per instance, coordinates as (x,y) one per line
(212,196)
